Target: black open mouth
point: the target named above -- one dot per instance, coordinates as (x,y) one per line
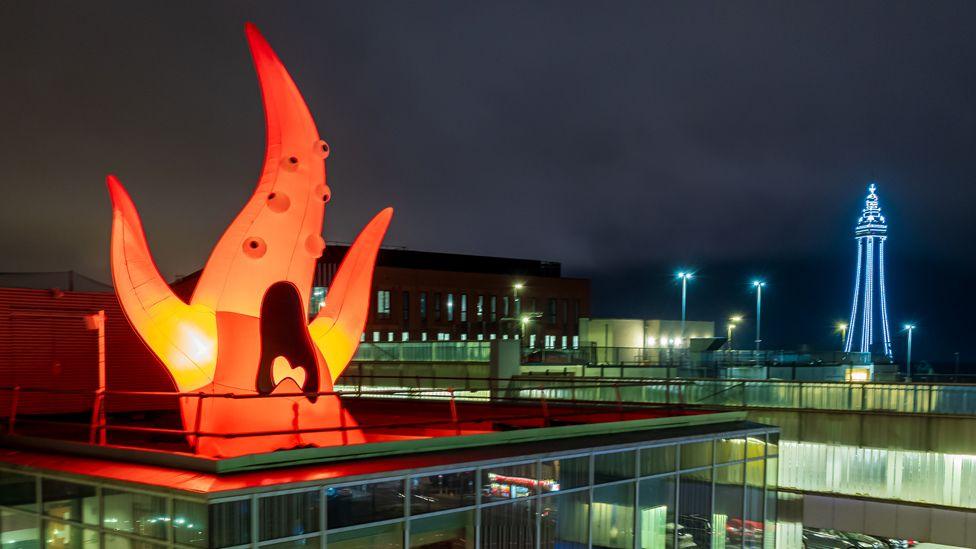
(284,333)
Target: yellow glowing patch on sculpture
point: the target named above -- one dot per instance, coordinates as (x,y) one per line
(245,329)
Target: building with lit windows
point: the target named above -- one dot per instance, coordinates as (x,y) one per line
(429,296)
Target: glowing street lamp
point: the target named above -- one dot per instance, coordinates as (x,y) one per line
(684,277)
(908,360)
(733,322)
(842,328)
(518,305)
(758,285)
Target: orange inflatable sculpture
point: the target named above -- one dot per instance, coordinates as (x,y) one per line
(245,331)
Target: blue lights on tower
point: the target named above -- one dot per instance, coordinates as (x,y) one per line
(869,285)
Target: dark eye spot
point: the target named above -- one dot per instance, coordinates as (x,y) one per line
(253,245)
(293,159)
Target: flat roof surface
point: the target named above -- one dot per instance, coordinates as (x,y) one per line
(184,474)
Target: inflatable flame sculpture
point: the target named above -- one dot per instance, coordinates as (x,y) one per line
(245,330)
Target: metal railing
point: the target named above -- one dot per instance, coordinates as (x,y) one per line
(97,429)
(906,398)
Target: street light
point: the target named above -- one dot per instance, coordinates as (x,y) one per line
(908,360)
(518,306)
(684,277)
(842,328)
(758,285)
(733,321)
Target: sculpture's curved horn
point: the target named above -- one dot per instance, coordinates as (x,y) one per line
(337,327)
(183,337)
(277,236)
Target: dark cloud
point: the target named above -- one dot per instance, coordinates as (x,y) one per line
(617,138)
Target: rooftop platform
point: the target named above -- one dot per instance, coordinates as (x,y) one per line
(402,434)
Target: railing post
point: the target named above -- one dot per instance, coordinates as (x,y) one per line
(454,413)
(198,417)
(14,401)
(620,404)
(545,407)
(97,427)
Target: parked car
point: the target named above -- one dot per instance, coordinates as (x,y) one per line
(864,541)
(899,543)
(816,538)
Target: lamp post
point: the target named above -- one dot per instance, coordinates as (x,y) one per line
(733,322)
(518,306)
(684,277)
(842,328)
(908,360)
(758,285)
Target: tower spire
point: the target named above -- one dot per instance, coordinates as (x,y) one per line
(871,232)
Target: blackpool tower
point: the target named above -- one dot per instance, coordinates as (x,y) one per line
(869,286)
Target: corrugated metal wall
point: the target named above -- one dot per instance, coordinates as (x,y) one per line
(44,343)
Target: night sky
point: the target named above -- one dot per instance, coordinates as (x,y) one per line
(623,139)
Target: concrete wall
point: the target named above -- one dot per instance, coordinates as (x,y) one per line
(897,520)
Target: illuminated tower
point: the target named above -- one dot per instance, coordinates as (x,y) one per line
(869,286)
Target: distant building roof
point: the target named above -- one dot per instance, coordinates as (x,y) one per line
(462,263)
(64,280)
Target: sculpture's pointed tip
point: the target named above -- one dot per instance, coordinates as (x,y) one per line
(116,191)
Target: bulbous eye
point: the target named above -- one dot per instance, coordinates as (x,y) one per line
(255,247)
(321,148)
(290,163)
(278,202)
(324,191)
(314,245)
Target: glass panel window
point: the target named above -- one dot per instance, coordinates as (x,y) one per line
(113,541)
(190,523)
(772,448)
(753,527)
(18,530)
(58,535)
(564,520)
(137,513)
(659,459)
(317,301)
(437,307)
(552,311)
(69,501)
(511,526)
(405,304)
(362,503)
(313,541)
(727,516)
(440,492)
(450,531)
(772,497)
(18,491)
(387,536)
(494,308)
(230,523)
(730,449)
(382,303)
(508,482)
(505,305)
(657,515)
(755,446)
(288,515)
(695,507)
(423,306)
(450,307)
(464,307)
(615,466)
(612,519)
(564,474)
(480,308)
(696,454)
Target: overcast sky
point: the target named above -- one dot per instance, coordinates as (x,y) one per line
(622,138)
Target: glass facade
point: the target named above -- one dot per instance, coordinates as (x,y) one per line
(702,491)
